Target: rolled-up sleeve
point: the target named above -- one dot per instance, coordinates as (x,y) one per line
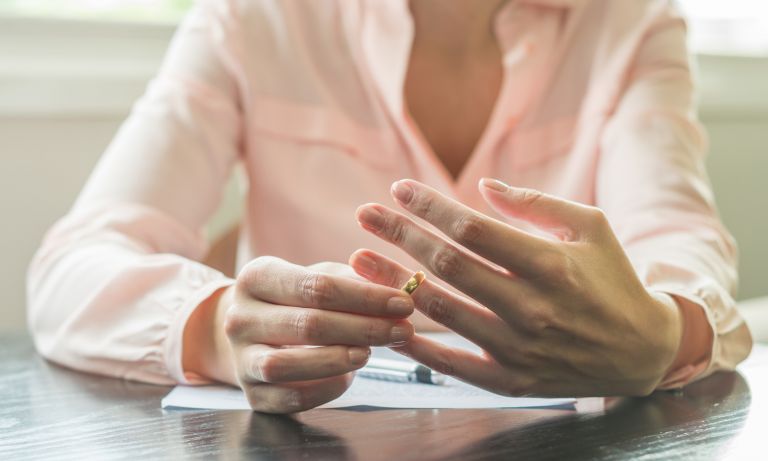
(653,186)
(113,283)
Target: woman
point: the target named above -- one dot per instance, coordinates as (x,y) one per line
(605,272)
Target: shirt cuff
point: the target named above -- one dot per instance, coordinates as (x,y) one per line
(175,339)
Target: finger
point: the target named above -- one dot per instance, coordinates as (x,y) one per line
(492,287)
(268,364)
(466,366)
(465,317)
(279,282)
(258,323)
(295,397)
(566,219)
(493,240)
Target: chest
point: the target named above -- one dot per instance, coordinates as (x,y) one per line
(451,100)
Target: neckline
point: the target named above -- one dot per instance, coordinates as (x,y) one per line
(481,145)
(387,41)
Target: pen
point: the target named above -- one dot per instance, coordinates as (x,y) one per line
(401,372)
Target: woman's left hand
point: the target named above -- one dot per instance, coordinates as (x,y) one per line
(565,316)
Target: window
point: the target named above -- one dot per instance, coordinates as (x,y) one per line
(728,27)
(716,26)
(121,10)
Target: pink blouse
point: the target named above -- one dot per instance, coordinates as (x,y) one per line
(597,106)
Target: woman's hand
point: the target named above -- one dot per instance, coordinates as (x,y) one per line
(565,316)
(262,325)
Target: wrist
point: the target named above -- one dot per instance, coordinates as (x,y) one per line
(675,330)
(662,334)
(695,343)
(206,350)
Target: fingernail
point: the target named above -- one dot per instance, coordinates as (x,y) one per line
(494,184)
(399,336)
(358,355)
(403,192)
(371,218)
(400,306)
(365,265)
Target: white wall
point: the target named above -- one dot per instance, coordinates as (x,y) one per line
(734,108)
(43,163)
(65,87)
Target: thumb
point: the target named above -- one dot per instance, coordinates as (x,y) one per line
(561,217)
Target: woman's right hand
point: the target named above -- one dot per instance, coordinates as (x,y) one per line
(265,321)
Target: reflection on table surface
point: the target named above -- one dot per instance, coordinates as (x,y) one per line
(50,411)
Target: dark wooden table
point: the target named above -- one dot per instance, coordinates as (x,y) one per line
(50,412)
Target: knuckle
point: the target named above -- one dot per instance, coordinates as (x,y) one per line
(285,400)
(446,262)
(267,368)
(377,333)
(249,276)
(370,300)
(259,265)
(292,401)
(548,262)
(518,386)
(527,354)
(438,310)
(423,205)
(393,280)
(307,326)
(557,267)
(568,275)
(234,322)
(596,216)
(445,364)
(645,389)
(316,289)
(469,229)
(528,198)
(255,274)
(254,398)
(397,231)
(535,321)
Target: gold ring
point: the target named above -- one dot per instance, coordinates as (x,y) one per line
(414,282)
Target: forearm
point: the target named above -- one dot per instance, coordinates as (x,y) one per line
(100,300)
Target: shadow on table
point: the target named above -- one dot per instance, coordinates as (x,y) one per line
(695,422)
(112,418)
(237,434)
(284,437)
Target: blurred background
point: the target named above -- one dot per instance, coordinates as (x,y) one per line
(70,70)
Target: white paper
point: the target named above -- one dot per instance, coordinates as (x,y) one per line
(375,393)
